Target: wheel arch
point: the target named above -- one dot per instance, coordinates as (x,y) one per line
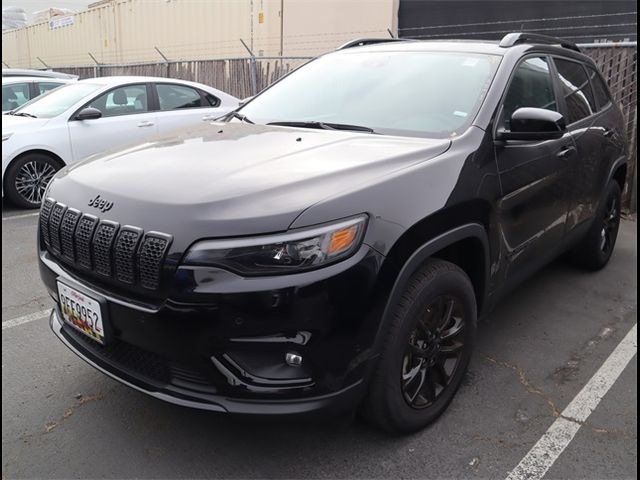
(465,245)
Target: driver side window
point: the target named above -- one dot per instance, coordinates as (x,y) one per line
(531,86)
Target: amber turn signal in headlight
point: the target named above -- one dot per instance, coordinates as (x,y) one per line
(290,252)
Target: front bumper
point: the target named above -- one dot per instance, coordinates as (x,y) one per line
(334,402)
(225,352)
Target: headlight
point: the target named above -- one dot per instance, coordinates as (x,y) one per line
(280,254)
(6,136)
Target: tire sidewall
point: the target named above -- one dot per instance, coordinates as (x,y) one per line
(613,190)
(12,172)
(447,283)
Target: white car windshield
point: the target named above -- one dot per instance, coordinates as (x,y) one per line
(427,94)
(57,101)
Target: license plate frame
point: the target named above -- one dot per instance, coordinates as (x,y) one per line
(84,311)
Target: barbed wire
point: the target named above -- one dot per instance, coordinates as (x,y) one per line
(529,20)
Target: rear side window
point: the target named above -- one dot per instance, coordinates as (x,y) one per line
(531,86)
(599,89)
(576,90)
(44,87)
(174,97)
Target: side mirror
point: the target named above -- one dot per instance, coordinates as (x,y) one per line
(88,113)
(534,124)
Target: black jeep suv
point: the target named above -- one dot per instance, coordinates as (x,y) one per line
(332,243)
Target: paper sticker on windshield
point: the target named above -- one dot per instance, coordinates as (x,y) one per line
(460,114)
(470,62)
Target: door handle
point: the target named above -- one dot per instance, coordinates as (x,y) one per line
(566,152)
(208,118)
(145,124)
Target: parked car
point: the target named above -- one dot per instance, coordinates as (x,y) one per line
(17,91)
(25,72)
(333,243)
(92,116)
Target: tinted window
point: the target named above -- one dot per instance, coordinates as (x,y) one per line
(44,87)
(531,86)
(14,95)
(430,94)
(122,101)
(576,90)
(173,97)
(599,89)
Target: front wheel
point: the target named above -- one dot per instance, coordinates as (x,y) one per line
(427,350)
(27,179)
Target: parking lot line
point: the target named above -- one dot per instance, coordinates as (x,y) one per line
(16,217)
(547,450)
(14,322)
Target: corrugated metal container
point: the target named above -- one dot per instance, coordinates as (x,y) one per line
(129,31)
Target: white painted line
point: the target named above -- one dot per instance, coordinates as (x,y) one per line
(16,217)
(14,322)
(542,456)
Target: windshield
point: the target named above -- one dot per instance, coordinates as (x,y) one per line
(431,94)
(57,101)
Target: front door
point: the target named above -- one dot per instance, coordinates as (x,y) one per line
(534,176)
(126,120)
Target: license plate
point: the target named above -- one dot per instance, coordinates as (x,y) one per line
(81,312)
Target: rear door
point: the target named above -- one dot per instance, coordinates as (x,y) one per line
(183,105)
(126,120)
(534,175)
(595,126)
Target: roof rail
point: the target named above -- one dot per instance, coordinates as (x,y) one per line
(511,39)
(359,42)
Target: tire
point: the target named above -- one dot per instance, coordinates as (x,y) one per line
(437,288)
(27,178)
(596,248)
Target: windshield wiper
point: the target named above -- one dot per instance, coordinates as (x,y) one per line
(238,115)
(22,114)
(324,126)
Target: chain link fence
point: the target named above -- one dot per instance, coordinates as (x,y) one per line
(244,77)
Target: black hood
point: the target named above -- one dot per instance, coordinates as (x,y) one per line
(229,179)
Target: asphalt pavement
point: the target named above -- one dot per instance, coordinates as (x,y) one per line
(554,342)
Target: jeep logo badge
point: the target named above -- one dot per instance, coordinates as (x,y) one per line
(101,204)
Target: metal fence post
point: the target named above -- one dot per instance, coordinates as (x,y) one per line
(97,70)
(168,65)
(253,70)
(5,64)
(42,62)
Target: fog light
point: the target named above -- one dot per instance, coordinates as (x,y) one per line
(293,359)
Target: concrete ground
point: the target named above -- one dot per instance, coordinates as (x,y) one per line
(63,419)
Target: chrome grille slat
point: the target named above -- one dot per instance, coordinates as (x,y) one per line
(125,254)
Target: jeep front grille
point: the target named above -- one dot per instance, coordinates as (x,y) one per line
(126,254)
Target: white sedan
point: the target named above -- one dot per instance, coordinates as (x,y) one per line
(92,116)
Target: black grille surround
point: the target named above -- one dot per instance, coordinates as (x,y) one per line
(124,254)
